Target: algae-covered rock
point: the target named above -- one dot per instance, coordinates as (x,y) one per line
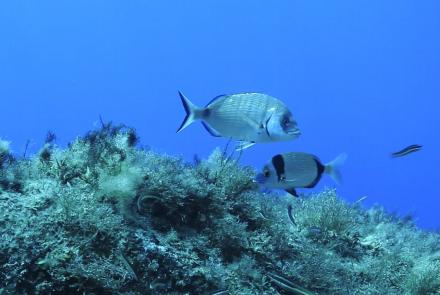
(103,216)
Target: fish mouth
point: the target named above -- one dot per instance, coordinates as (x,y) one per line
(295,132)
(260,179)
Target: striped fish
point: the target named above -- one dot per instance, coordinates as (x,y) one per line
(408,150)
(293,170)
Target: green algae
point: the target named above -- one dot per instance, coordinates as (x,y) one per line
(103,216)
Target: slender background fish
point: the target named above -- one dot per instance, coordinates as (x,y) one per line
(408,150)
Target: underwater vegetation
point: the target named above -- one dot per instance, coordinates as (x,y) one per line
(104,216)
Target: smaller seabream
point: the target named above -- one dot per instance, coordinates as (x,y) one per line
(293,170)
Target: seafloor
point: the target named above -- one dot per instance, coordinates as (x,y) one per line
(104,216)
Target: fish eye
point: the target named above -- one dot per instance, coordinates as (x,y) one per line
(285,121)
(266,172)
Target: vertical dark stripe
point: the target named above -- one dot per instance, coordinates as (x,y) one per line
(278,164)
(319,171)
(321,168)
(265,127)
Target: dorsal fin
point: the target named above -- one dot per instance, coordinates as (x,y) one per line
(215,99)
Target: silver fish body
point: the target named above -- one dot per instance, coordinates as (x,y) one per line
(248,117)
(298,170)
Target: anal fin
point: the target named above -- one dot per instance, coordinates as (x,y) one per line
(292,191)
(211,131)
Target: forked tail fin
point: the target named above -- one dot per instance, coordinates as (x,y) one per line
(333,168)
(192,112)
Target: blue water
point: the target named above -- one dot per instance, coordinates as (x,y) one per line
(360,77)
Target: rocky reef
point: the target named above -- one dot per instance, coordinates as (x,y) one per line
(105,216)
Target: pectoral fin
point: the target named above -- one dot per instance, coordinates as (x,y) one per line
(244,145)
(255,125)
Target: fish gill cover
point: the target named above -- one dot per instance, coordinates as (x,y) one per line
(104,216)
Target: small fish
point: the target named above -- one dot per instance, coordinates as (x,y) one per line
(314,230)
(289,213)
(247,117)
(287,285)
(298,170)
(408,150)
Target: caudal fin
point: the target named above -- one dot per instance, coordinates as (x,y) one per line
(333,167)
(192,112)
